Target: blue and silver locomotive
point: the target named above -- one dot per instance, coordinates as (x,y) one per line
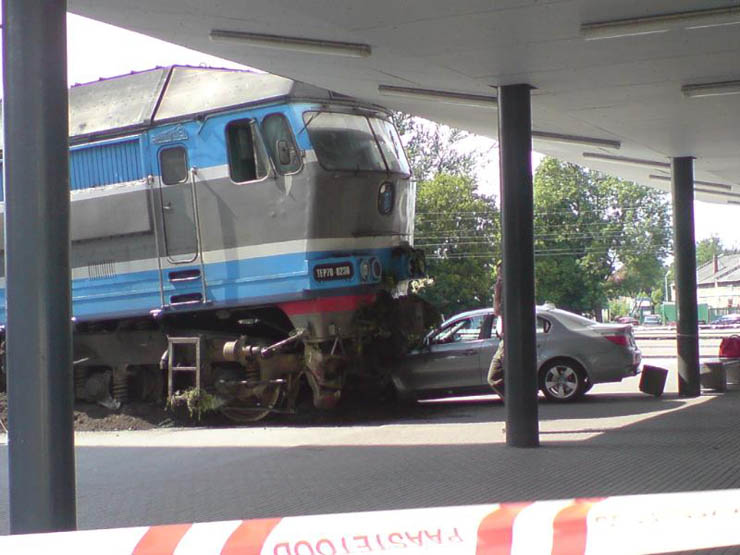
(228,230)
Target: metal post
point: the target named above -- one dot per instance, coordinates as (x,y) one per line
(667,291)
(39,342)
(687,329)
(520,357)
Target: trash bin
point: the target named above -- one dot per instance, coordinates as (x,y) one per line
(652,380)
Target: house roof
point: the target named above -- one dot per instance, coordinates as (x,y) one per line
(728,270)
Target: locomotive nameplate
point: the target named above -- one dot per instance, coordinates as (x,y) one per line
(329,272)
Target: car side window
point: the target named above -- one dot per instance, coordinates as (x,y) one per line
(543,326)
(467,329)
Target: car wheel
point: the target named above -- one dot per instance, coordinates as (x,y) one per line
(563,380)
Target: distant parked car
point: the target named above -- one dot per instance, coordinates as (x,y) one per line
(627,320)
(573,354)
(727,321)
(652,320)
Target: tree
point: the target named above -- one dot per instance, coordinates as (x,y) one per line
(456,227)
(595,236)
(707,249)
(619,307)
(434,149)
(459,231)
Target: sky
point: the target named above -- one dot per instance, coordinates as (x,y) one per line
(98,50)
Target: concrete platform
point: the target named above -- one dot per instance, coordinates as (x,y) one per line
(616,441)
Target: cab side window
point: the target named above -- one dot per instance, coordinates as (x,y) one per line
(467,329)
(174,165)
(246,153)
(280,143)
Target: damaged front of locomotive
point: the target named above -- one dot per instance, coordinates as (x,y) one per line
(356,311)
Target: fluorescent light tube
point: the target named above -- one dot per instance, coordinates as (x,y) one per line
(625,161)
(576,139)
(621,28)
(661,23)
(294,44)
(711,89)
(446,97)
(701,183)
(721,193)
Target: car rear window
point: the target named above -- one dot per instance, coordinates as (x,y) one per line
(571,320)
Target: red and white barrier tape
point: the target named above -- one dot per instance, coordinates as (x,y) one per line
(658,523)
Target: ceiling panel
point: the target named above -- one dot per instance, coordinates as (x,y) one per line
(626,89)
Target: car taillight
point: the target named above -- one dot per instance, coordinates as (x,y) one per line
(620,340)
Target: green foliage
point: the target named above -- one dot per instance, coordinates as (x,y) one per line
(460,232)
(434,149)
(706,249)
(391,327)
(619,307)
(197,401)
(456,227)
(657,296)
(596,236)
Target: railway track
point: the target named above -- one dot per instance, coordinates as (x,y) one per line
(661,342)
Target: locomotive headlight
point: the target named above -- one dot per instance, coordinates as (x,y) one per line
(376,268)
(364,269)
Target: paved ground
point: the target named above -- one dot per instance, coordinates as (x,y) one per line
(617,441)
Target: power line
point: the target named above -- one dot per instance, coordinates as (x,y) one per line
(540,236)
(573,212)
(588,239)
(456,224)
(634,248)
(540,252)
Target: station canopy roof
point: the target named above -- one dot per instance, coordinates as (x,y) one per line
(619,85)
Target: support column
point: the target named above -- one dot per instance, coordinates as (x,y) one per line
(38,339)
(520,356)
(684,246)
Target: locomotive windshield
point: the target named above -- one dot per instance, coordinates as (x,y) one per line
(356,143)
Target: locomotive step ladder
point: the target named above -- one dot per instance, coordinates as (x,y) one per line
(180,359)
(189,286)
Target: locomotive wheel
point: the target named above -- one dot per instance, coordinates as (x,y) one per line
(244,413)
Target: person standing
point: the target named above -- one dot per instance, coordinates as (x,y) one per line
(496,369)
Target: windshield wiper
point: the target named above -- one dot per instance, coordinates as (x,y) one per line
(305,126)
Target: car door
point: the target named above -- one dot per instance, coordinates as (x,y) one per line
(542,338)
(451,360)
(490,343)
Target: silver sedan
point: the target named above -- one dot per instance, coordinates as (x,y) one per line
(573,354)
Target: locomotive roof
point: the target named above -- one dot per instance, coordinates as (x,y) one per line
(139,99)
